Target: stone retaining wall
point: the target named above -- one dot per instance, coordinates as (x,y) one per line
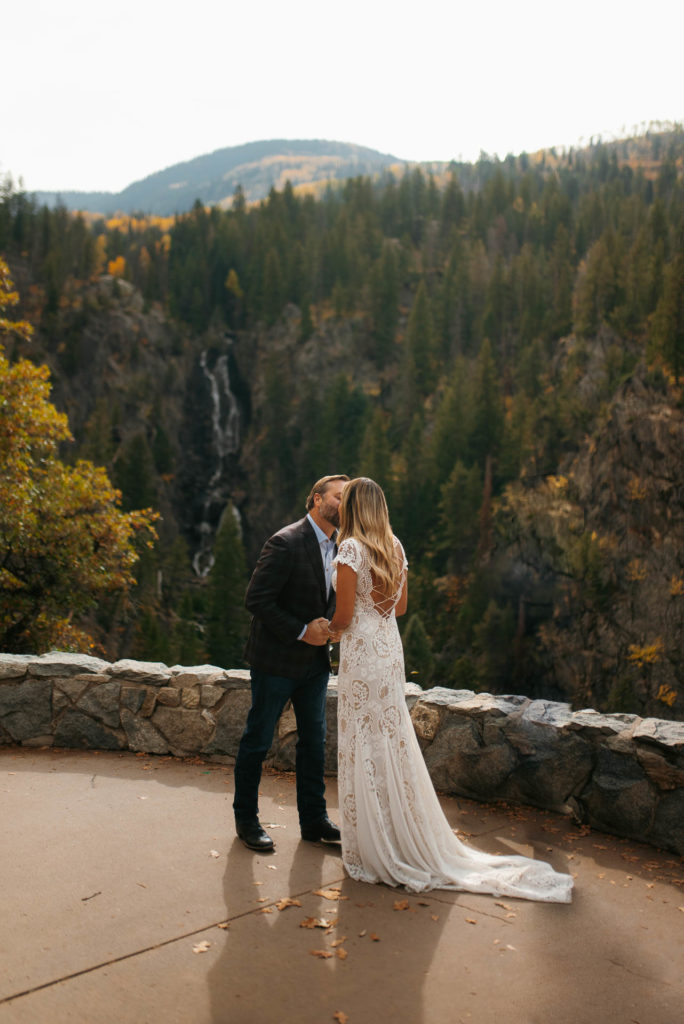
(620,773)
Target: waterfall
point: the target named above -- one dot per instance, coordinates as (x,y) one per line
(225,423)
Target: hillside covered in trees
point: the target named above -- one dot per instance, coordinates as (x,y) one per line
(500,345)
(212,178)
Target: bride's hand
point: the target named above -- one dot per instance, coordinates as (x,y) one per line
(334,634)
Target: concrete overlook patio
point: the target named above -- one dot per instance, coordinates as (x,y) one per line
(126,898)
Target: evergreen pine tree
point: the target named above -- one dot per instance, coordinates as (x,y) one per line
(226,615)
(374,454)
(418,657)
(668,321)
(488,414)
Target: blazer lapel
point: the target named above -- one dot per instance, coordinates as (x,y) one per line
(314,552)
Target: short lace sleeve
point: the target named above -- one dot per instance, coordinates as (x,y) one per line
(402,554)
(349,553)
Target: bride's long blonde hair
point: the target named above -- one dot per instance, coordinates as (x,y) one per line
(364,516)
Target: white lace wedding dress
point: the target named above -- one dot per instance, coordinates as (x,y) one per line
(393,828)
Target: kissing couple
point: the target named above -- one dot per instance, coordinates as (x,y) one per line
(340,574)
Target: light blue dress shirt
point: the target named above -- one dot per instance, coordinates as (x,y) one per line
(327,546)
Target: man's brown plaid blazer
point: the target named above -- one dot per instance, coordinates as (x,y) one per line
(286,591)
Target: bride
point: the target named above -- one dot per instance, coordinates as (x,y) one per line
(393,828)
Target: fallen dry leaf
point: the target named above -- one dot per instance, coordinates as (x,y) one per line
(342,954)
(314,922)
(338,942)
(225,924)
(322,954)
(435,917)
(361,934)
(423,903)
(266,910)
(287,902)
(201,947)
(330,894)
(340,1017)
(271,867)
(470,920)
(374,937)
(214,853)
(505,906)
(401,904)
(263,899)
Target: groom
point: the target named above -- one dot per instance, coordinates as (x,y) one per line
(291,601)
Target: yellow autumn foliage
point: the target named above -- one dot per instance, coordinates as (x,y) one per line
(64,541)
(649,654)
(117,267)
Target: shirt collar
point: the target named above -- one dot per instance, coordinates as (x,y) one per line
(320,536)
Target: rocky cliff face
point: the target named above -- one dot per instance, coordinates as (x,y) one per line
(181,420)
(602,542)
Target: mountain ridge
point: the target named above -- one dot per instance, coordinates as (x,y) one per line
(213,177)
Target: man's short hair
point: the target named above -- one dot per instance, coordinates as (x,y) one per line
(321,486)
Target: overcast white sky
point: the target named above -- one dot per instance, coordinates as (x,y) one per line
(97,95)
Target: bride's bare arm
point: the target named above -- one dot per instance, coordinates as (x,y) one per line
(346,597)
(402,603)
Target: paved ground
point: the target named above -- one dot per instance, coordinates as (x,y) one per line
(116,868)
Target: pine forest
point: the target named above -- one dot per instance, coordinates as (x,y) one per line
(499,344)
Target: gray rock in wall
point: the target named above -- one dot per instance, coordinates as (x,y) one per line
(102,703)
(63,663)
(26,708)
(619,797)
(14,666)
(153,672)
(459,761)
(186,731)
(230,722)
(76,729)
(668,825)
(552,763)
(669,735)
(142,735)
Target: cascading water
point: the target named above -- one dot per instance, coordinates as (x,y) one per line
(225,421)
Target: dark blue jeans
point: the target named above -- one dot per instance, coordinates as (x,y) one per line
(270,694)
